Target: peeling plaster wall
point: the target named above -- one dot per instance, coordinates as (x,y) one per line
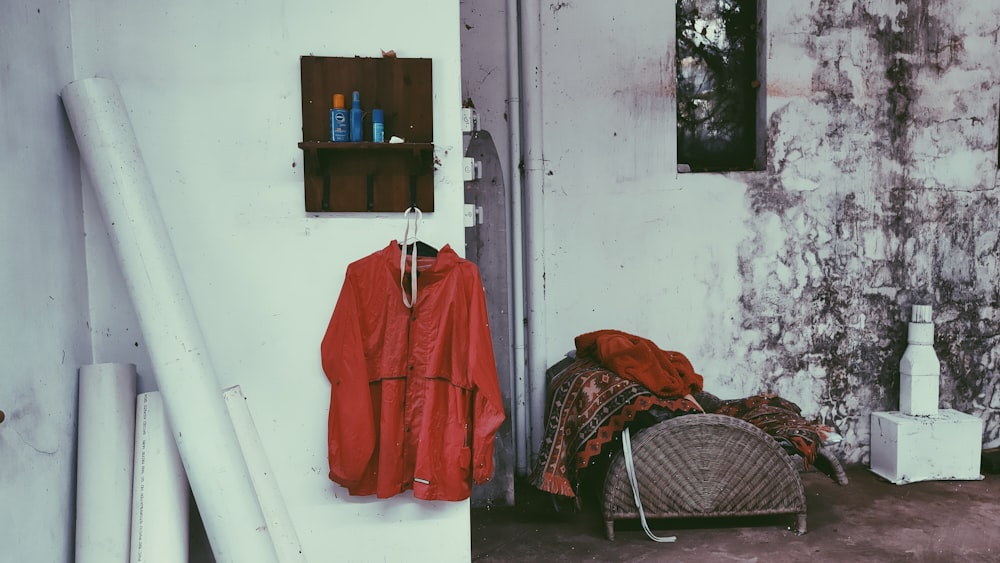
(880,192)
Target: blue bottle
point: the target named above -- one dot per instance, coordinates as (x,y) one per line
(356,117)
(378,126)
(338,119)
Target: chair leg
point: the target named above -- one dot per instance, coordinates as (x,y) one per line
(801,523)
(609,529)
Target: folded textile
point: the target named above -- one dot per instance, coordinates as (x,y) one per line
(589,404)
(665,373)
(620,380)
(782,420)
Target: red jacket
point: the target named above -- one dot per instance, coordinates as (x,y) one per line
(414,396)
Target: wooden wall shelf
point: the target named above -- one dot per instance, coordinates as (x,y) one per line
(367,176)
(365,146)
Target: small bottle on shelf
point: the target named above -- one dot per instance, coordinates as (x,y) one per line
(378,126)
(356,117)
(338,119)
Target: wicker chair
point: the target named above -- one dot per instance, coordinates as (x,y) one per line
(704,465)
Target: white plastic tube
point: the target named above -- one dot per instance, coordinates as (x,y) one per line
(279,523)
(184,375)
(534,219)
(516,243)
(160,511)
(105,434)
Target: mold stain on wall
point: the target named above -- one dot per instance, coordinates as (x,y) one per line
(893,203)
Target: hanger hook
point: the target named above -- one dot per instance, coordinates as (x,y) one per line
(416,220)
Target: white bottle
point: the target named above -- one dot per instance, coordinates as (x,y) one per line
(919,368)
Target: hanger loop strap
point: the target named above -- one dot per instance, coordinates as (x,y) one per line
(630,470)
(413,260)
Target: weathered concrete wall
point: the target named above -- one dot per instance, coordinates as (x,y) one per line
(882,176)
(880,192)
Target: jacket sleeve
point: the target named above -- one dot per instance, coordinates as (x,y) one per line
(351,438)
(488,410)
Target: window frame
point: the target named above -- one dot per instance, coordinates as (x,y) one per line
(759,135)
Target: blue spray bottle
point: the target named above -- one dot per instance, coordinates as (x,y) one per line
(356,117)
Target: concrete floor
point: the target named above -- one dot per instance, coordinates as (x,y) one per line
(869,519)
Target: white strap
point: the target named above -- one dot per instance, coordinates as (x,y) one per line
(630,469)
(413,262)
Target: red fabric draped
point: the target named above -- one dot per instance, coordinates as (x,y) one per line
(665,373)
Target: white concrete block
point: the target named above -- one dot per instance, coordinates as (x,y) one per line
(918,394)
(945,446)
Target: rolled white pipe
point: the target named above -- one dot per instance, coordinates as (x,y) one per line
(272,503)
(105,439)
(160,511)
(202,429)
(516,242)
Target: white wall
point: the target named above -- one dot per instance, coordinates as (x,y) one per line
(43,285)
(645,250)
(213,93)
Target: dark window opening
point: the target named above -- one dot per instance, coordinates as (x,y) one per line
(717,84)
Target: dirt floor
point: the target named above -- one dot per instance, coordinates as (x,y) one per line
(869,519)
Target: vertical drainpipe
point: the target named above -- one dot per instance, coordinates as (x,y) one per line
(516,240)
(534,216)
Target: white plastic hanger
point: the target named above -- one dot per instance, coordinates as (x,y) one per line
(413,261)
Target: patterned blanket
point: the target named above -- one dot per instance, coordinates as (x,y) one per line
(782,420)
(590,404)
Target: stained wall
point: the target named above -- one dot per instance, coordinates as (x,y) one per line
(882,175)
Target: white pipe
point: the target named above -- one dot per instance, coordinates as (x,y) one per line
(279,523)
(195,409)
(106,437)
(516,242)
(160,508)
(534,217)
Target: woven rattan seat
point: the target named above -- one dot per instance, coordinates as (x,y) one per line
(704,465)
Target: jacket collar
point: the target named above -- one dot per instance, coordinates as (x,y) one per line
(440,265)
